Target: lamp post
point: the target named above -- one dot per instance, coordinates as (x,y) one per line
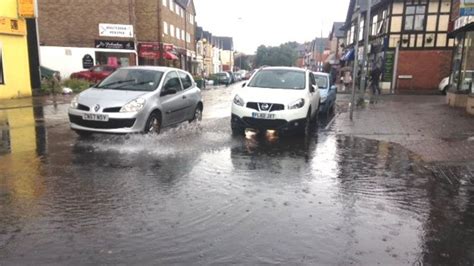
(356,60)
(363,78)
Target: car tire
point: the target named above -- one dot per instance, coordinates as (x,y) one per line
(237,130)
(197,114)
(445,90)
(83,134)
(307,125)
(153,124)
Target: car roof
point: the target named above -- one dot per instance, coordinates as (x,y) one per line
(284,68)
(155,68)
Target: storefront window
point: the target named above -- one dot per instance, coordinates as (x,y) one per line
(457,65)
(467,72)
(2,79)
(120,59)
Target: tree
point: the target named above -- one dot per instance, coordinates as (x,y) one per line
(283,55)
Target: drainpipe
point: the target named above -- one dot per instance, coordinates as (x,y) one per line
(395,69)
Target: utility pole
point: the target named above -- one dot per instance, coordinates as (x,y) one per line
(363,78)
(356,59)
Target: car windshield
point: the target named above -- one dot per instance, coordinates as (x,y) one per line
(279,79)
(321,81)
(132,79)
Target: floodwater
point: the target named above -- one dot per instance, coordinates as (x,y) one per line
(197,195)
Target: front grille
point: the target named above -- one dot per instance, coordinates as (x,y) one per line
(83,107)
(111,124)
(112,110)
(265,123)
(275,107)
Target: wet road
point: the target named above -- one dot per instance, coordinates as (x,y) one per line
(195,195)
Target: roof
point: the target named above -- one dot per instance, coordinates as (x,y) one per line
(337,31)
(183,3)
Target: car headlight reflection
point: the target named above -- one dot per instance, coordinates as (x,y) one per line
(238,100)
(133,106)
(74,102)
(296,105)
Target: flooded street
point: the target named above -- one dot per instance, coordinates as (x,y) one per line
(195,195)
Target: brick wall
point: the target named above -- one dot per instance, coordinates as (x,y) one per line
(147,20)
(76,22)
(178,22)
(428,68)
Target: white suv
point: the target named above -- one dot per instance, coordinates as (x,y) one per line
(277,98)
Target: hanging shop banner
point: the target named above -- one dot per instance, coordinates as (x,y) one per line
(121,45)
(467,8)
(26,8)
(388,66)
(116,30)
(12,26)
(87,61)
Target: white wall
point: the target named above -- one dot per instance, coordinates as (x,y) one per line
(68,60)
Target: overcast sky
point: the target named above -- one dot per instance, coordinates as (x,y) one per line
(270,22)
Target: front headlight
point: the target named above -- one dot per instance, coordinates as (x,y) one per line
(238,101)
(74,103)
(296,105)
(133,106)
(323,99)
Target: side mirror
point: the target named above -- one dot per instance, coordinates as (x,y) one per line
(168,91)
(312,88)
(245,84)
(333,88)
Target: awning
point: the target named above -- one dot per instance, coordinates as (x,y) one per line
(348,56)
(468,27)
(157,55)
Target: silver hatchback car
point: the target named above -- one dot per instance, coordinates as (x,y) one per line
(137,100)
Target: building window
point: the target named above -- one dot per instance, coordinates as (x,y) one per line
(2,79)
(172,30)
(165,27)
(176,9)
(178,33)
(181,12)
(165,2)
(188,37)
(182,35)
(415,18)
(191,19)
(172,6)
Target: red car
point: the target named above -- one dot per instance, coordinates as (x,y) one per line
(95,74)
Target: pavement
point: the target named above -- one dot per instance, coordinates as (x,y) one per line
(423,124)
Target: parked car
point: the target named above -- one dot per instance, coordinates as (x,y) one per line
(444,85)
(95,74)
(137,99)
(238,77)
(277,98)
(327,91)
(222,78)
(249,74)
(232,76)
(48,73)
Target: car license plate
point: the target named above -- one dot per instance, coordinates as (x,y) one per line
(95,117)
(263,116)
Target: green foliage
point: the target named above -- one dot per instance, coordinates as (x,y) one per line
(53,86)
(283,55)
(77,85)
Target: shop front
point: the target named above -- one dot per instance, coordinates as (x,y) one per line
(461,79)
(115,53)
(151,54)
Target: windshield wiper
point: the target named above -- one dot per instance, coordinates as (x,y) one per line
(107,86)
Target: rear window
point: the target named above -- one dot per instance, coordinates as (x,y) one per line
(321,81)
(279,79)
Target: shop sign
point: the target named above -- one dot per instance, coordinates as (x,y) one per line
(116,30)
(87,61)
(467,8)
(26,8)
(388,66)
(155,47)
(463,21)
(12,26)
(122,45)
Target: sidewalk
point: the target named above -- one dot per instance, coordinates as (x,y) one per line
(422,124)
(35,101)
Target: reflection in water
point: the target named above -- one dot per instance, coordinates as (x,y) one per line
(195,195)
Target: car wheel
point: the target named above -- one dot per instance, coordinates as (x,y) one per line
(445,90)
(304,131)
(197,114)
(83,134)
(237,130)
(153,125)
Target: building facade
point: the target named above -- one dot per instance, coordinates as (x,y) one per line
(116,32)
(408,41)
(17,73)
